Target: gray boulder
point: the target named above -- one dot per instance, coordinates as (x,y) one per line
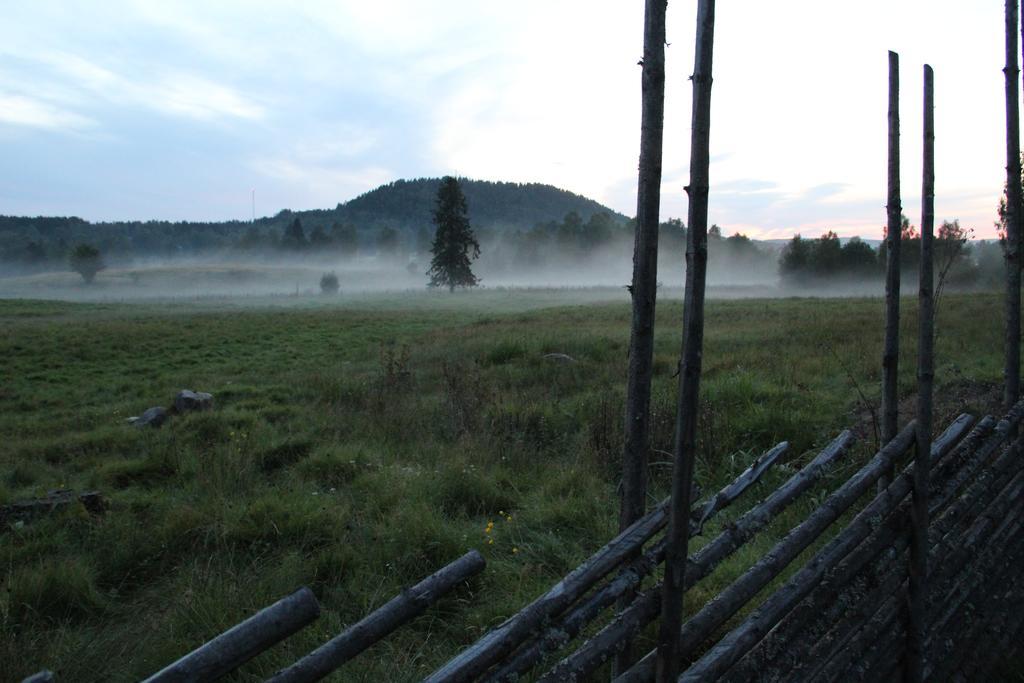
(187,401)
(154,417)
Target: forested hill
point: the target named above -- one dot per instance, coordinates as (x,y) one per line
(409,204)
(403,206)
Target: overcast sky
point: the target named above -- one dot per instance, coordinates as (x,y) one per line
(127,109)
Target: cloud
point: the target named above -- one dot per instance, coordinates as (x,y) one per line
(73,79)
(18,110)
(198,98)
(321,183)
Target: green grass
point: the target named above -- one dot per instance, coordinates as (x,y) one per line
(357,447)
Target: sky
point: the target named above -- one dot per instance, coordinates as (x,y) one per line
(179,110)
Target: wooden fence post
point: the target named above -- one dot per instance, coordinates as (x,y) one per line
(917,631)
(645,278)
(894,227)
(1011,367)
(693,347)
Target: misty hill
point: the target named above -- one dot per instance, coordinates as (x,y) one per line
(406,204)
(403,205)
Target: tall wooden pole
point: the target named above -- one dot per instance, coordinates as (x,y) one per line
(917,628)
(692,351)
(894,211)
(645,279)
(1011,366)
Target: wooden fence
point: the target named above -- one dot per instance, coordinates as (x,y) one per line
(852,611)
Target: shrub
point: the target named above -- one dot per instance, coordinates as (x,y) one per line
(329,284)
(86,261)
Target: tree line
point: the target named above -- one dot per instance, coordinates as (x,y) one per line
(827,259)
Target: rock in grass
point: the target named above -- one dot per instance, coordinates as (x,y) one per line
(187,401)
(41,677)
(154,417)
(559,357)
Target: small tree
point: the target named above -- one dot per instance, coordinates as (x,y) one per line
(454,243)
(329,283)
(86,261)
(294,236)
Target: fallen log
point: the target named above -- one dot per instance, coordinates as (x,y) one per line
(569,626)
(740,640)
(593,653)
(379,623)
(242,642)
(733,598)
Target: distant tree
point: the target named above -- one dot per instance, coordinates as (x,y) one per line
(795,259)
(294,236)
(252,239)
(35,253)
(858,258)
(86,261)
(455,245)
(599,230)
(953,263)
(329,283)
(387,242)
(422,240)
(827,257)
(319,238)
(345,239)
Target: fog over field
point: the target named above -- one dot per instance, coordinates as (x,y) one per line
(202,277)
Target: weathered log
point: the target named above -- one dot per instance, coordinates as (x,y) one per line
(734,490)
(644,290)
(964,456)
(1014,209)
(645,609)
(970,581)
(242,642)
(403,607)
(997,522)
(630,577)
(685,446)
(839,664)
(1002,636)
(822,619)
(966,473)
(998,633)
(57,499)
(885,577)
(496,644)
(894,228)
(875,655)
(738,642)
(734,597)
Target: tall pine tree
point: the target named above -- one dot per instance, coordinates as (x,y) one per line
(454,243)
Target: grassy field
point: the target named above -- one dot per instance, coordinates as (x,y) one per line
(357,446)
